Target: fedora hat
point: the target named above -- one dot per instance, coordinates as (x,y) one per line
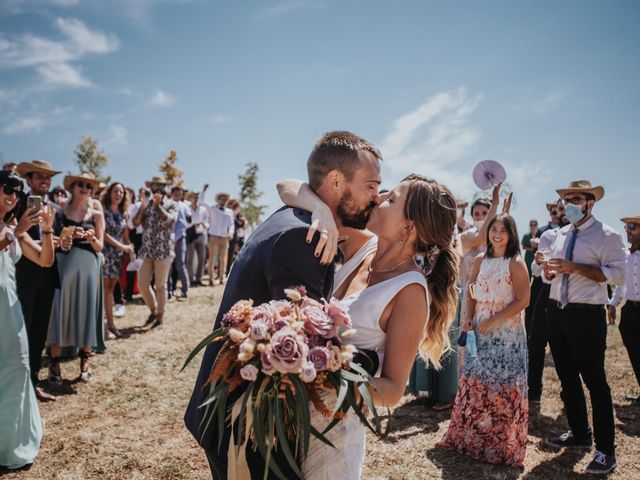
(156,181)
(582,186)
(551,205)
(36,166)
(69,180)
(222,194)
(632,219)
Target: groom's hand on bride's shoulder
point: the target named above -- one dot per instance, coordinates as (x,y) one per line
(367,359)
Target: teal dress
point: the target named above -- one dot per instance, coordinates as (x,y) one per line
(20,423)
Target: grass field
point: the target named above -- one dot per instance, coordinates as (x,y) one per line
(127,422)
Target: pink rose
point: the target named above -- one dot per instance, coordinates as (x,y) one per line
(288,351)
(267,367)
(258,330)
(319,356)
(335,359)
(316,322)
(263,313)
(338,313)
(249,372)
(308,373)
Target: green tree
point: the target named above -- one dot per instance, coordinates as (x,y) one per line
(250,195)
(89,158)
(171,173)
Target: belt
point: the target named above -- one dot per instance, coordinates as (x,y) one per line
(574,306)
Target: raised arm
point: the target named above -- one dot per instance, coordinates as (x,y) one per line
(473,239)
(43,254)
(296,193)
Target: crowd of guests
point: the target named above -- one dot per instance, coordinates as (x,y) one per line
(70,256)
(84,247)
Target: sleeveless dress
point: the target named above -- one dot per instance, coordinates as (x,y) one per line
(114,225)
(345,461)
(76,315)
(490,414)
(20,423)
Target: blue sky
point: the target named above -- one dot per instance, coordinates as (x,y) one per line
(549,89)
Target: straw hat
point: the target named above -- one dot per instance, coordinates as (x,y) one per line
(39,166)
(633,219)
(461,203)
(69,180)
(222,194)
(552,205)
(582,186)
(156,181)
(232,203)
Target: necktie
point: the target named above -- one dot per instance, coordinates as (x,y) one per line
(564,287)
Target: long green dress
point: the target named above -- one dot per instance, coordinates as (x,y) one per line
(20,423)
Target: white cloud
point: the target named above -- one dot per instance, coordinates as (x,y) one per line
(287,6)
(126,90)
(117,137)
(61,75)
(161,99)
(542,106)
(434,139)
(24,125)
(219,119)
(52,58)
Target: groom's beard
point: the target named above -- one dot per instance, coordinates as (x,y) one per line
(355,219)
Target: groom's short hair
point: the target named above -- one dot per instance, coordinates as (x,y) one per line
(336,150)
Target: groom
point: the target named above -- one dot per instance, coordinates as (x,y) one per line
(344,171)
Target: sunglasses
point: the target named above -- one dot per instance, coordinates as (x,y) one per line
(86,185)
(574,200)
(631,227)
(9,189)
(157,186)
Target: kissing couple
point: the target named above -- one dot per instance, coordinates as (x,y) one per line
(399,307)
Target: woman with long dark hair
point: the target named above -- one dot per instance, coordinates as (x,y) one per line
(490,413)
(116,238)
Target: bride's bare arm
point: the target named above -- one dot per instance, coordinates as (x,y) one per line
(296,193)
(404,331)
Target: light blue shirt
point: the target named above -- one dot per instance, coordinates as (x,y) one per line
(180,227)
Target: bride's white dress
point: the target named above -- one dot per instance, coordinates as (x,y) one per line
(345,461)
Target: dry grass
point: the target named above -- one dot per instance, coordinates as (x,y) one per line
(127,423)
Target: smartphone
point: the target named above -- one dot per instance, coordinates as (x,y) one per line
(472,290)
(34,203)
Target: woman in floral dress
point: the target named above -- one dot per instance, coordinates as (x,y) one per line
(490,414)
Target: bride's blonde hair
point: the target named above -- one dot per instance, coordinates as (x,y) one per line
(432,209)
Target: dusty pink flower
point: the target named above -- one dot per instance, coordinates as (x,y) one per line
(308,373)
(319,356)
(335,359)
(316,322)
(288,351)
(263,313)
(258,330)
(338,313)
(249,372)
(267,367)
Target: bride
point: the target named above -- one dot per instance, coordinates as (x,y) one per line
(397,307)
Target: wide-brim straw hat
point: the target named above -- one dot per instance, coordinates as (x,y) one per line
(188,196)
(461,203)
(551,205)
(232,203)
(69,180)
(582,186)
(157,181)
(39,166)
(633,219)
(222,194)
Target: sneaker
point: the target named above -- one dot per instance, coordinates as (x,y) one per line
(602,463)
(119,310)
(569,440)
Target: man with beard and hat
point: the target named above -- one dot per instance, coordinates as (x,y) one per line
(36,284)
(629,292)
(584,257)
(344,171)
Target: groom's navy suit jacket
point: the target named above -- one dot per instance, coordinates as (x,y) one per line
(276,256)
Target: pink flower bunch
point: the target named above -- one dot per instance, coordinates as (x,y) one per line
(298,336)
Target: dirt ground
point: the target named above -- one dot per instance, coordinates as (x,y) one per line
(127,422)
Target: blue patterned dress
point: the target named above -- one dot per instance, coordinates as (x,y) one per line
(489,419)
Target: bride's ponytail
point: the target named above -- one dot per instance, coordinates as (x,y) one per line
(432,208)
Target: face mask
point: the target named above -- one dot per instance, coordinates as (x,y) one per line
(478,224)
(574,213)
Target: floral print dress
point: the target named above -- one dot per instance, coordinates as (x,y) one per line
(489,419)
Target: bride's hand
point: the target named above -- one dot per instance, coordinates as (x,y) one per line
(322,221)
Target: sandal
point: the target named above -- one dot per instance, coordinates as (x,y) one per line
(85,373)
(54,365)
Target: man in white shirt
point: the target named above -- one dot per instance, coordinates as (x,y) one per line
(220,232)
(584,257)
(197,239)
(629,292)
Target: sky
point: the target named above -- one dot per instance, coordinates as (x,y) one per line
(549,89)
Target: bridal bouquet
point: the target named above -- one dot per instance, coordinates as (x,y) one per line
(288,354)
